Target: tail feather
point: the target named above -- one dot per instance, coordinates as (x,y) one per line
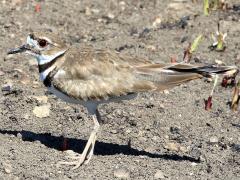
(205,70)
(170,75)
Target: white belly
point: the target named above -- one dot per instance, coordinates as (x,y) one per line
(91,105)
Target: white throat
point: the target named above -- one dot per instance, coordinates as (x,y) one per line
(43,59)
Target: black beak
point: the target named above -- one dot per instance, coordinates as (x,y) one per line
(20,49)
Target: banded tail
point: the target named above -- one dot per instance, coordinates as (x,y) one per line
(166,76)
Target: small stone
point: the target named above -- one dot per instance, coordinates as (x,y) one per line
(7,167)
(42,111)
(7,87)
(95,11)
(88,11)
(238,57)
(183,149)
(128,131)
(213,140)
(166,91)
(155,138)
(218,62)
(114,131)
(26,116)
(122,3)
(41,99)
(171,146)
(151,48)
(12,35)
(156,22)
(121,173)
(19,135)
(8,57)
(236,147)
(110,16)
(1,73)
(194,164)
(159,175)
(150,149)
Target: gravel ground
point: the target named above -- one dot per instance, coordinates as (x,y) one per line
(155,136)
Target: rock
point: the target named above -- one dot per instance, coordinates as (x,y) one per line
(219,62)
(7,87)
(8,57)
(88,11)
(7,167)
(42,111)
(159,175)
(157,21)
(183,149)
(171,146)
(193,164)
(166,91)
(151,48)
(121,173)
(1,73)
(114,131)
(41,99)
(110,16)
(150,149)
(19,135)
(213,140)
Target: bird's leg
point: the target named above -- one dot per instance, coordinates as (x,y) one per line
(214,84)
(87,153)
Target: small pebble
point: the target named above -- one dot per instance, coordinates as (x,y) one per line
(171,146)
(7,87)
(42,111)
(88,11)
(7,167)
(156,22)
(114,131)
(41,99)
(183,149)
(121,173)
(19,135)
(110,16)
(193,164)
(1,73)
(159,175)
(8,57)
(213,139)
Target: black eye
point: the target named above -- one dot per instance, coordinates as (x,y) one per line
(42,42)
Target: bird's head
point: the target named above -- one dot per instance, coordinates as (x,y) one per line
(44,46)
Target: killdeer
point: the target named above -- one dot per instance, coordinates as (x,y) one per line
(91,76)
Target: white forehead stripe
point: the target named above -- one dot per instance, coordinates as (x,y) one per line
(31,41)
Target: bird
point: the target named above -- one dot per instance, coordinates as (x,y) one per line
(89,76)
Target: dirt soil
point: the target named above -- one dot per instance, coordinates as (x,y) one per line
(157,135)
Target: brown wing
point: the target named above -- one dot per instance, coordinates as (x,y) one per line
(100,74)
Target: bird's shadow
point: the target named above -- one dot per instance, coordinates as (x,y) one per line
(101,148)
